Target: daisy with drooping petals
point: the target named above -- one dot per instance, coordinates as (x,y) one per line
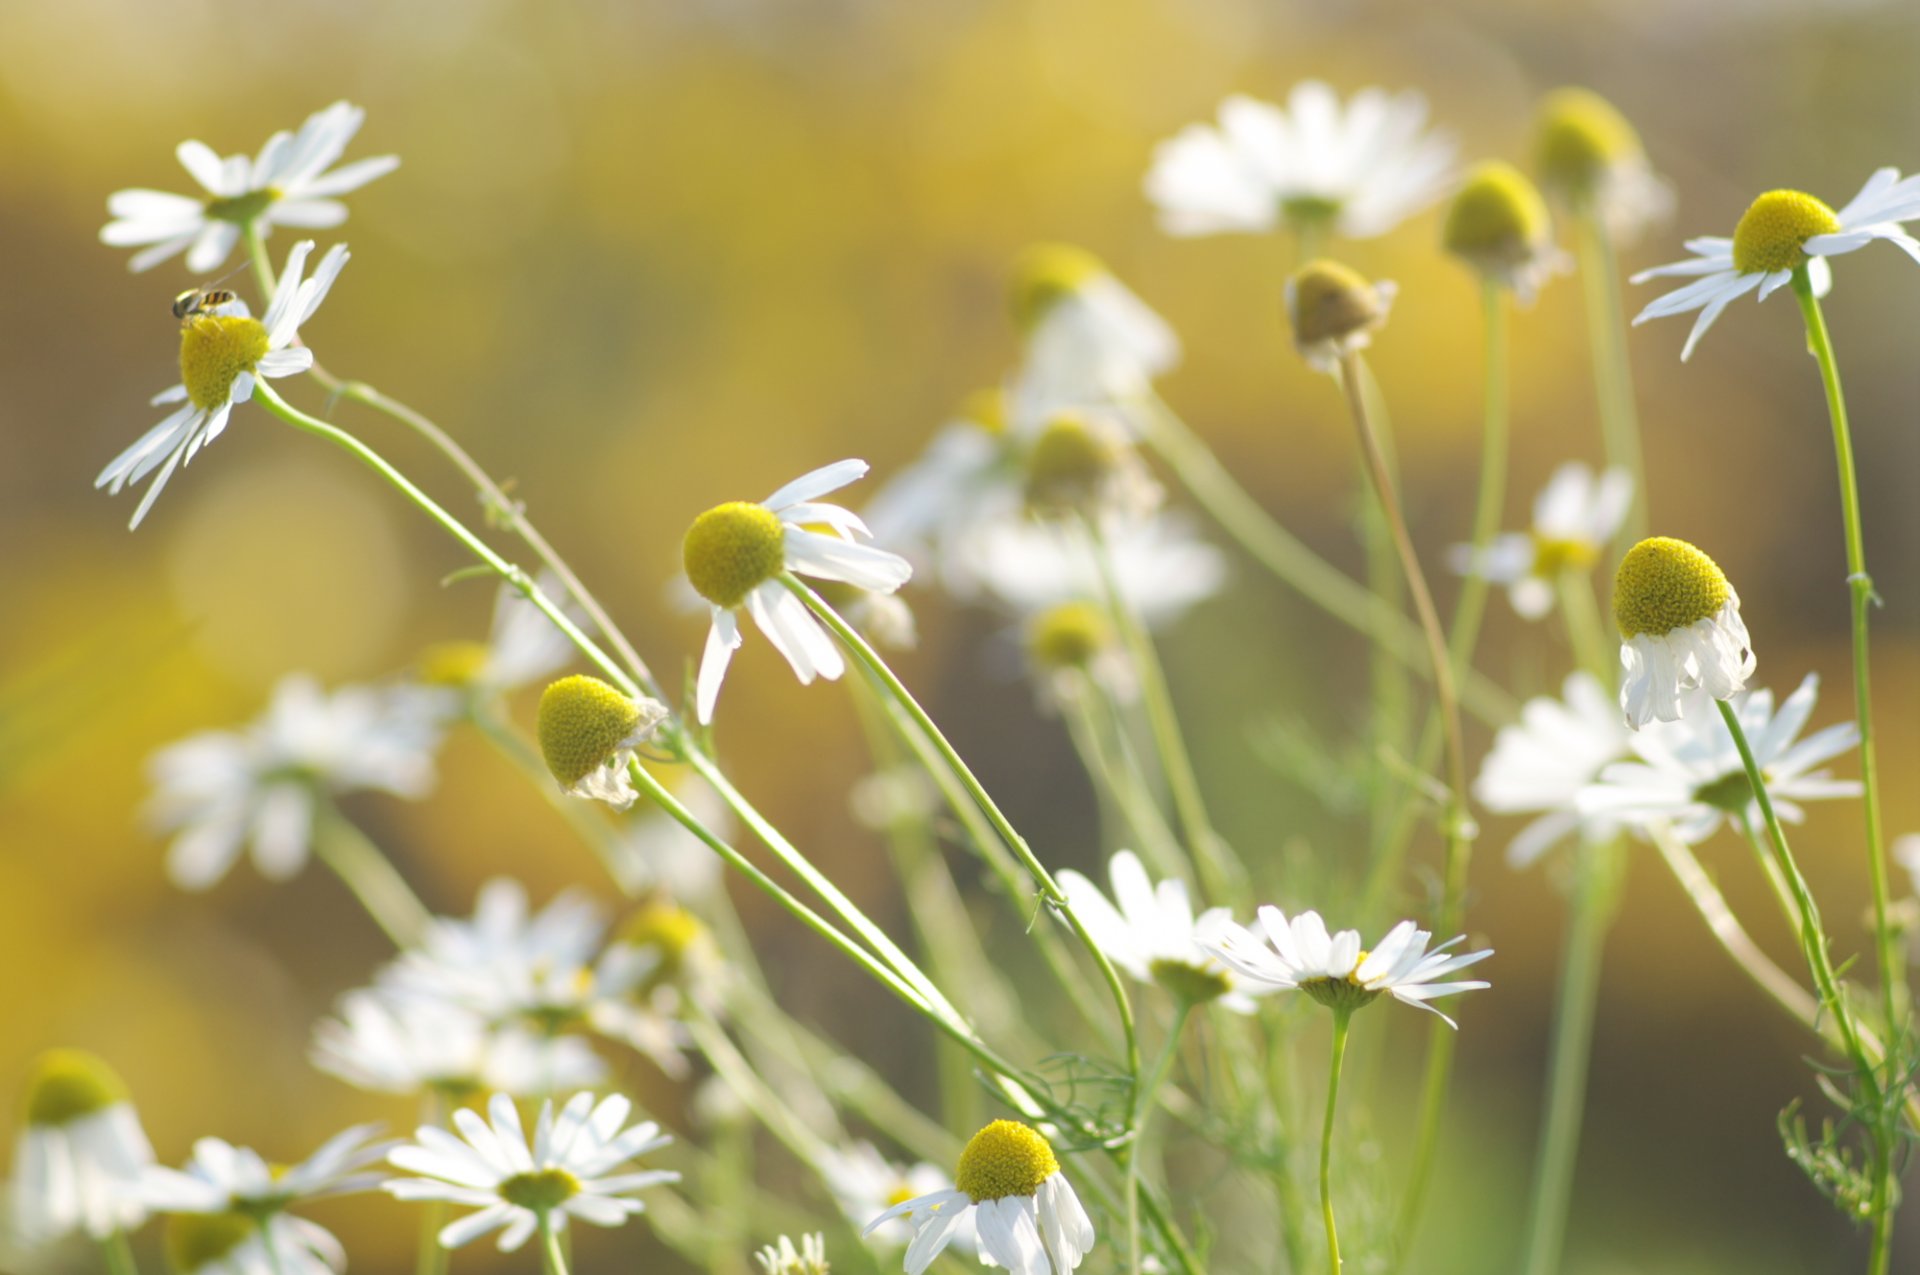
(1358,171)
(520,1188)
(1539,764)
(1334,969)
(1152,934)
(81,1160)
(286,184)
(1690,773)
(222,354)
(735,555)
(589,733)
(1782,232)
(1498,224)
(865,1183)
(1025,1212)
(1574,517)
(1589,155)
(1680,622)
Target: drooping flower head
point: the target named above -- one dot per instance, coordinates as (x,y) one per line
(1024,1210)
(1334,311)
(81,1158)
(588,732)
(285,184)
(1089,342)
(735,555)
(1781,232)
(1589,157)
(1680,625)
(1539,763)
(1498,224)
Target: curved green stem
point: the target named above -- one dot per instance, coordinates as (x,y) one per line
(1142,1112)
(119,1255)
(1341,1020)
(362,868)
(552,1260)
(1118,774)
(1612,371)
(271,1246)
(1490,501)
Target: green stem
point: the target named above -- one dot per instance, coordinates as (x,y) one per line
(1612,372)
(1892,967)
(1471,608)
(363,869)
(1220,874)
(1118,774)
(594,831)
(1585,630)
(1341,1021)
(758,1097)
(1595,902)
(552,1260)
(119,1254)
(264,276)
(1049,889)
(271,1246)
(429,1257)
(1142,1112)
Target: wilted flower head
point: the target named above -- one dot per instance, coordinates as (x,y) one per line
(1334,311)
(81,1159)
(588,733)
(1498,224)
(1680,621)
(1589,156)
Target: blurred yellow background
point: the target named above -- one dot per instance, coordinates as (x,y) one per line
(644,257)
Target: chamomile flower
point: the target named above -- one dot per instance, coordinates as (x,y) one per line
(222,354)
(1072,647)
(522,647)
(1334,969)
(286,184)
(223,1178)
(1153,934)
(1089,342)
(81,1159)
(238,1243)
(565,1172)
(1541,762)
(415,1045)
(1024,1210)
(1589,156)
(1680,621)
(1783,231)
(589,732)
(784,1259)
(1690,774)
(1160,564)
(967,476)
(1333,312)
(258,788)
(865,1183)
(1358,170)
(1574,517)
(1082,466)
(735,555)
(1498,224)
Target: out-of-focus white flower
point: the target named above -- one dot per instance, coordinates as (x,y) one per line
(257,788)
(223,1178)
(1590,156)
(655,851)
(1090,343)
(522,647)
(783,1259)
(1152,933)
(1574,517)
(1160,564)
(1541,762)
(239,1244)
(1334,311)
(81,1159)
(1358,170)
(286,184)
(968,476)
(865,1183)
(1498,224)
(414,1044)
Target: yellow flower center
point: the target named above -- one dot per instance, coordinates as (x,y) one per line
(456,664)
(194,1240)
(987,409)
(214,350)
(1497,217)
(670,932)
(582,723)
(1047,274)
(1070,462)
(1327,301)
(900,1194)
(731,549)
(1551,556)
(1665,584)
(70,1084)
(1068,636)
(241,209)
(1773,232)
(1005,1158)
(539,1190)
(1579,138)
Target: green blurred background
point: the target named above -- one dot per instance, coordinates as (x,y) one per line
(644,257)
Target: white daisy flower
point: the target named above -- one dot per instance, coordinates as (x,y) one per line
(865,1183)
(1690,775)
(240,1244)
(1680,621)
(257,788)
(1498,224)
(1025,1213)
(1160,564)
(1574,517)
(1153,934)
(222,354)
(735,555)
(1539,763)
(589,733)
(81,1158)
(1334,969)
(414,1045)
(523,646)
(1071,646)
(286,184)
(1334,312)
(784,1259)
(1089,341)
(968,475)
(1590,156)
(223,1178)
(1780,232)
(566,1172)
(1359,171)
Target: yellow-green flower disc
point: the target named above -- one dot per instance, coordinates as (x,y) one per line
(732,549)
(1068,635)
(986,408)
(1497,216)
(1665,584)
(583,722)
(539,1190)
(671,932)
(1071,462)
(1773,232)
(455,664)
(1579,139)
(1329,302)
(214,350)
(1045,274)
(197,1240)
(71,1084)
(1006,1158)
